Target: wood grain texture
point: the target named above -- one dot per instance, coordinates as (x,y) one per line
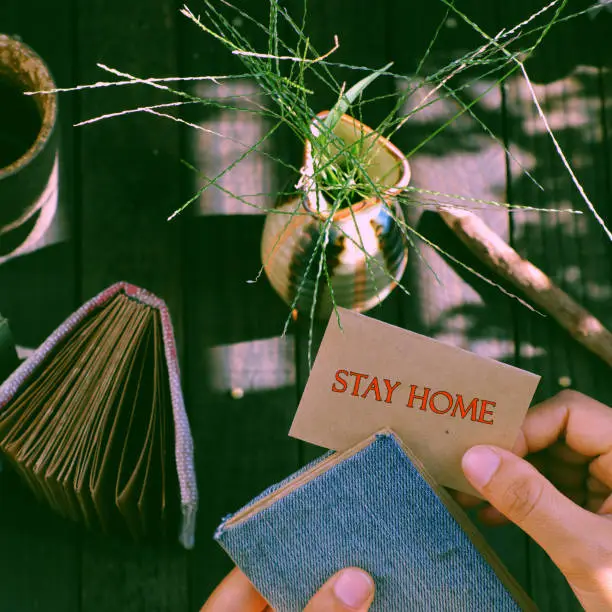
(37,291)
(240,375)
(448,302)
(572,249)
(129,184)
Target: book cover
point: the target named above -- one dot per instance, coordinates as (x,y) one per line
(94,421)
(372,506)
(8,355)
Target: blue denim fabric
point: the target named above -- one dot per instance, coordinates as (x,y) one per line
(373,510)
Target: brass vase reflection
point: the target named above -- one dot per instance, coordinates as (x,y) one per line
(365,249)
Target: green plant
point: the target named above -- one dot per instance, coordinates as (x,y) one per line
(290,63)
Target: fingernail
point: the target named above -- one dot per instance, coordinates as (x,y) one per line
(479,464)
(353,587)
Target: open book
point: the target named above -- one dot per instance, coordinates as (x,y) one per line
(375,507)
(94,420)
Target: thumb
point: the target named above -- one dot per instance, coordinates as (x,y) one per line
(351,589)
(527,498)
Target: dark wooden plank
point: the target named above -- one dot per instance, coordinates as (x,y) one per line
(572,250)
(241,382)
(38,292)
(458,308)
(129,179)
(605,163)
(240,371)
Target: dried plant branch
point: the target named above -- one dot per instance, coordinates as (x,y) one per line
(537,286)
(290,58)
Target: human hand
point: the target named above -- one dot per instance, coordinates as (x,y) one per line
(349,590)
(572,436)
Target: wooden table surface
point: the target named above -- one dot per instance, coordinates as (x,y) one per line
(122,178)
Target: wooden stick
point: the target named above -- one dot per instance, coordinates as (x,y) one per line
(504,260)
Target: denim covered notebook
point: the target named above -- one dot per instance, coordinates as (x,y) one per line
(372,506)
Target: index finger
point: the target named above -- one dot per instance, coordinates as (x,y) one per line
(584,423)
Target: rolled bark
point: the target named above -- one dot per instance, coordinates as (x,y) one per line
(533,283)
(28,147)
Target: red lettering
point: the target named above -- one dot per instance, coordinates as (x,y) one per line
(343,382)
(390,389)
(413,397)
(358,378)
(373,386)
(465,411)
(432,402)
(484,412)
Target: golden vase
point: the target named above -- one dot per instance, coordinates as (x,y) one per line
(363,245)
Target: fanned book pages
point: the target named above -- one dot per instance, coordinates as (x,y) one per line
(375,507)
(94,420)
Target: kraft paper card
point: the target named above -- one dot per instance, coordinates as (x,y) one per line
(439,399)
